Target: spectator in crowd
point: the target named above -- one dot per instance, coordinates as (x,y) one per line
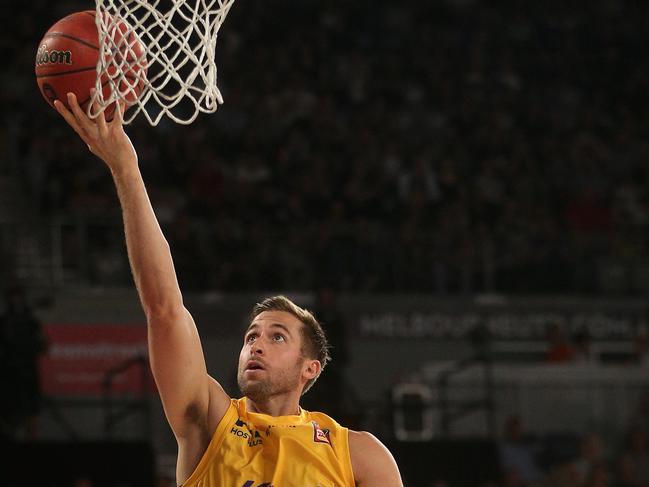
(591,456)
(634,462)
(584,351)
(21,345)
(599,476)
(563,474)
(512,478)
(559,348)
(517,459)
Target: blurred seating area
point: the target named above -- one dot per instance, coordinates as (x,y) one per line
(561,460)
(448,147)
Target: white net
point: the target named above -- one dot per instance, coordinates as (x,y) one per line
(158,57)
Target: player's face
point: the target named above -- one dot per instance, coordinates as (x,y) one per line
(271,361)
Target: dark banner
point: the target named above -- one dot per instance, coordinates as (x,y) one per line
(420,317)
(416,318)
(401,317)
(504,325)
(507,320)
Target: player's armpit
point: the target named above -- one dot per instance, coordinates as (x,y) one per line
(191,398)
(372,462)
(196,439)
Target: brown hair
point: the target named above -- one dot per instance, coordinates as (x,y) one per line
(314,340)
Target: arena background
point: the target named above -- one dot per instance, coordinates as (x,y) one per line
(459,188)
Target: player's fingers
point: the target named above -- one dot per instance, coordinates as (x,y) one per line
(119,113)
(69,117)
(101,118)
(82,119)
(72,121)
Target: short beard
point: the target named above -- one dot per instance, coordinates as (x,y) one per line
(256,391)
(260,391)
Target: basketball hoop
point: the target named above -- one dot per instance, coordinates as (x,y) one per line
(177,69)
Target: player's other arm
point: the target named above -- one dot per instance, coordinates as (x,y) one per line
(372,462)
(176,355)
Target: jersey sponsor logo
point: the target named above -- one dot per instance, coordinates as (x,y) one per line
(320,435)
(252,436)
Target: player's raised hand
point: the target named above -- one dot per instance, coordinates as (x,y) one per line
(107,140)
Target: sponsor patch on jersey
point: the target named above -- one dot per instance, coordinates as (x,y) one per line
(320,435)
(252,436)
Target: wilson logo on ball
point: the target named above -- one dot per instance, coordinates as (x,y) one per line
(43,56)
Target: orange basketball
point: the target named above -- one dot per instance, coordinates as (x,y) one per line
(66,61)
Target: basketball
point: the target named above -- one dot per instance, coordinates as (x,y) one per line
(67,56)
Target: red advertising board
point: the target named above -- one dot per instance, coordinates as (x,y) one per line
(80,358)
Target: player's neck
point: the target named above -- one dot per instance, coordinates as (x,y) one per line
(284,405)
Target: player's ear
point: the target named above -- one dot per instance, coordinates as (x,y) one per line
(312,369)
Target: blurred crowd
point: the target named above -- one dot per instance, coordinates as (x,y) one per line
(452,146)
(589,461)
(563,460)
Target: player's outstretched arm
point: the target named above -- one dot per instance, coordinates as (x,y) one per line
(372,462)
(175,350)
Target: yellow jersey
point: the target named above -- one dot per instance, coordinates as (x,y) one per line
(257,450)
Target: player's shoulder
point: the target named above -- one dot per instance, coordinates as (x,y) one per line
(366,442)
(372,462)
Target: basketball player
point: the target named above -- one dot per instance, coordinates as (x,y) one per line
(265,438)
